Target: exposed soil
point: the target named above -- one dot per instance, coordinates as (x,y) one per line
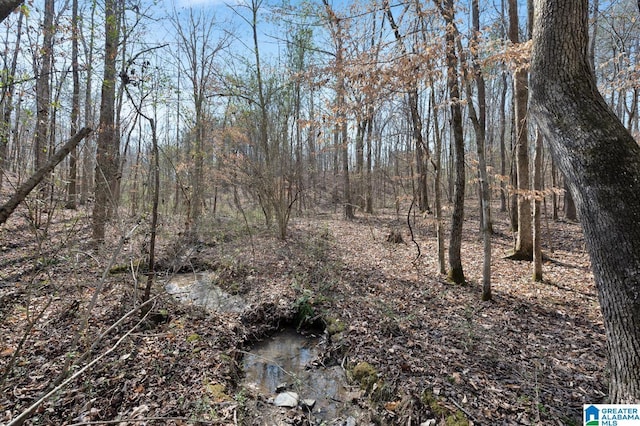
(534,355)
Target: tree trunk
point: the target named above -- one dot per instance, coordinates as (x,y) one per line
(601,162)
(106,155)
(8,91)
(437,165)
(456,273)
(503,154)
(87,152)
(524,241)
(43,90)
(75,109)
(569,205)
(537,213)
(480,125)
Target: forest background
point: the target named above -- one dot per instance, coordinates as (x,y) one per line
(210,116)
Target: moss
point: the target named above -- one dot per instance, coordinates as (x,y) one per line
(217,392)
(365,374)
(335,326)
(193,338)
(456,419)
(451,418)
(431,401)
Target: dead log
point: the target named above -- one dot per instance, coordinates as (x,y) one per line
(24,189)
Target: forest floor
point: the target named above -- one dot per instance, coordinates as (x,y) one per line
(533,355)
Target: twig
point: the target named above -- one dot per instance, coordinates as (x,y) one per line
(413,201)
(465,411)
(25,414)
(114,325)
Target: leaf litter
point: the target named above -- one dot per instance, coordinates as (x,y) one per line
(532,356)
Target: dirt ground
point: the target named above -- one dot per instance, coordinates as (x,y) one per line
(438,354)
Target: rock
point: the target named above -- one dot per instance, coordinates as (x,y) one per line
(430,422)
(351,421)
(282,387)
(286,399)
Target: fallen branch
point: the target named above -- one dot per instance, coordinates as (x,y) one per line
(24,189)
(143,419)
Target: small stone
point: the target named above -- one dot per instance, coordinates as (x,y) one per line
(430,422)
(286,399)
(351,421)
(282,387)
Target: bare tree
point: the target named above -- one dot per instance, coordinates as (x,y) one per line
(337,31)
(456,273)
(196,56)
(72,191)
(6,101)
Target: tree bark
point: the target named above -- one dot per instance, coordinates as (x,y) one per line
(437,165)
(24,190)
(8,6)
(601,162)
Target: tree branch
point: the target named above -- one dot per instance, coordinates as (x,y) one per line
(24,190)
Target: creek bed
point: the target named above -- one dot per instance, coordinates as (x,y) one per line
(199,289)
(284,363)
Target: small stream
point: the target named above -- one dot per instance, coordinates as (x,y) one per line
(281,369)
(283,364)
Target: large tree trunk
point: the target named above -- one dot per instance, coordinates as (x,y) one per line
(601,162)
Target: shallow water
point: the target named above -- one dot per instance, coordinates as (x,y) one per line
(286,358)
(199,289)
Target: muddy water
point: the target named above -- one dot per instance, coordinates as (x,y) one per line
(287,358)
(199,289)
